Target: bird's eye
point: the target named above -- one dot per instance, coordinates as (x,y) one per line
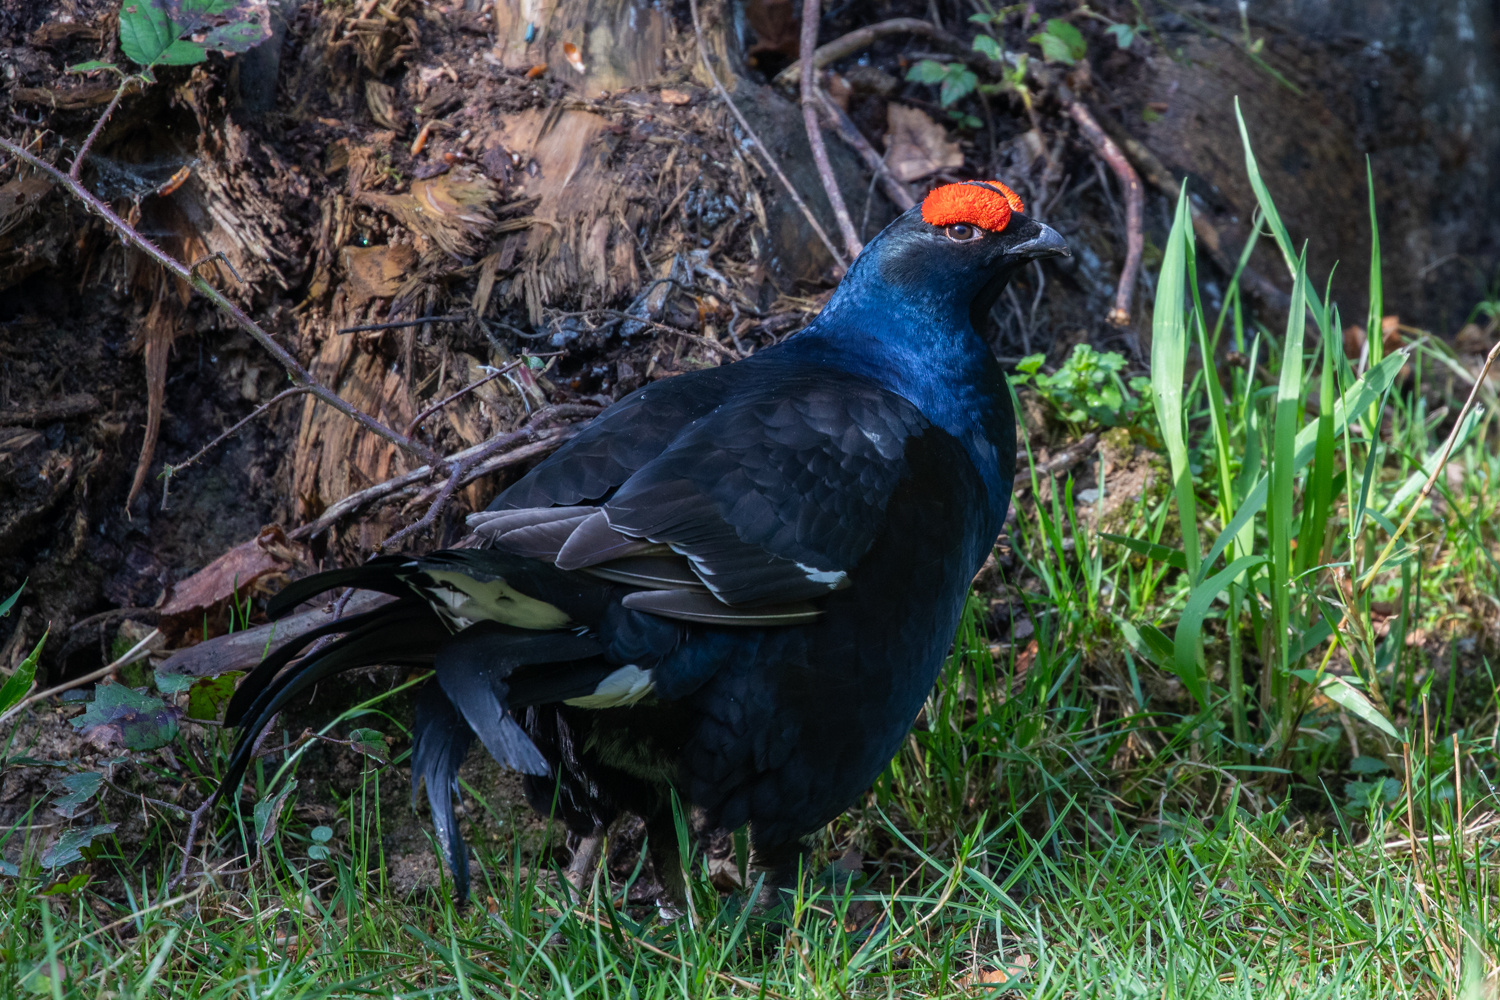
(962,233)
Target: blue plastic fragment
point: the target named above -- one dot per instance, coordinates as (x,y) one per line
(530,32)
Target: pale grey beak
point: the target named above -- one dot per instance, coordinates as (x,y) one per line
(1047,243)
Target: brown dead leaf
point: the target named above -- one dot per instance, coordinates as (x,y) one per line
(675,97)
(19,197)
(376,272)
(917,146)
(987,981)
(382,100)
(234,572)
(452,210)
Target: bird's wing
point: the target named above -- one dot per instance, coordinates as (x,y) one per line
(761,505)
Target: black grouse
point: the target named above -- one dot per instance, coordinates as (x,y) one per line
(739,583)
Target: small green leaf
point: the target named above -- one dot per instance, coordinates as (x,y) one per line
(927,71)
(957,84)
(9,868)
(371,743)
(125,717)
(268,813)
(69,847)
(1124,34)
(93,65)
(173,683)
(1368,765)
(19,683)
(1060,42)
(10,601)
(207,697)
(322,834)
(67,887)
(80,789)
(986,46)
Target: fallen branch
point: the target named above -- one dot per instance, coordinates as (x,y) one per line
(540,442)
(755,139)
(863,38)
(811,16)
(300,376)
(1130,183)
(131,655)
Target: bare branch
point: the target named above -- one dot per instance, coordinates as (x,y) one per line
(83,151)
(849,132)
(1130,183)
(811,16)
(300,376)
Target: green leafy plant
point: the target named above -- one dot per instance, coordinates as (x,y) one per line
(125,717)
(1060,42)
(182,32)
(954,81)
(1088,388)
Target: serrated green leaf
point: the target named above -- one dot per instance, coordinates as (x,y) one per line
(183,53)
(146,30)
(80,789)
(206,698)
(237,37)
(69,847)
(371,743)
(122,716)
(957,84)
(173,683)
(986,46)
(926,71)
(18,684)
(1060,42)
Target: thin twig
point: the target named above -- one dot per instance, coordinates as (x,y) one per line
(1130,183)
(755,139)
(400,484)
(220,256)
(849,132)
(401,323)
(811,16)
(860,38)
(300,376)
(88,143)
(417,420)
(131,655)
(168,470)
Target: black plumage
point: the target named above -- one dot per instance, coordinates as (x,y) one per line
(738,584)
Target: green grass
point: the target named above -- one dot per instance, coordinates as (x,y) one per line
(1250,751)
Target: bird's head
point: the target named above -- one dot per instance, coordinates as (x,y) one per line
(958,248)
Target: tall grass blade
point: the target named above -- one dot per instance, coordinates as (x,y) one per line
(1280,498)
(1168,365)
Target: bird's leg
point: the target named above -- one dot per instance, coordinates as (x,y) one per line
(783,864)
(585,858)
(661,840)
